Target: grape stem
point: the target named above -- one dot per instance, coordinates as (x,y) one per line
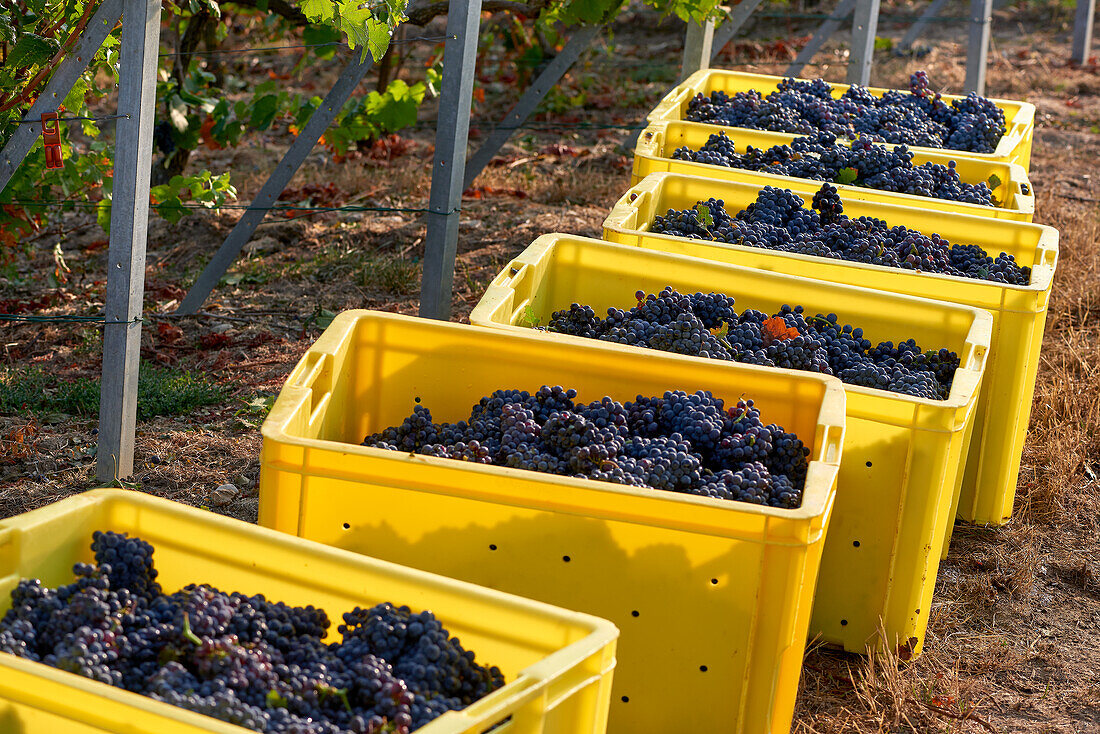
(187,633)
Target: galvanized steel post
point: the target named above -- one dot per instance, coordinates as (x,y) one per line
(449,161)
(61,81)
(922,22)
(864,26)
(724,33)
(977,48)
(292,160)
(821,35)
(529,101)
(1082,30)
(126,251)
(697,48)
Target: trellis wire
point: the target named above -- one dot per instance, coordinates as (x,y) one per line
(242,207)
(69,119)
(36,319)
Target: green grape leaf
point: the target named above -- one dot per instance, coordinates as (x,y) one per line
(321,11)
(528,318)
(103,214)
(317,34)
(7,32)
(378,38)
(994,181)
(263,112)
(705,217)
(74,100)
(847,175)
(397,107)
(31,50)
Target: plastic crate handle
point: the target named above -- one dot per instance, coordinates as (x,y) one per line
(674,101)
(627,210)
(315,376)
(651,142)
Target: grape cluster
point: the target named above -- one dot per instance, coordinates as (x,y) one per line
(243,659)
(821,158)
(919,117)
(677,442)
(778,220)
(788,339)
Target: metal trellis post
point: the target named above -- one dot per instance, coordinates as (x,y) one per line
(449,161)
(821,35)
(977,48)
(697,48)
(1082,30)
(126,251)
(529,101)
(724,33)
(292,160)
(864,26)
(922,22)
(68,71)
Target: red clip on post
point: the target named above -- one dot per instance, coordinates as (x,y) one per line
(51,139)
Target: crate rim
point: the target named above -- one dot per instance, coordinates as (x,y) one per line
(528,680)
(1042,273)
(1025,111)
(978,337)
(831,419)
(1016,173)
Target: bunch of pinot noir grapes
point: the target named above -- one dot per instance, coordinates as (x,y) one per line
(677,442)
(707,325)
(246,660)
(919,117)
(778,220)
(821,158)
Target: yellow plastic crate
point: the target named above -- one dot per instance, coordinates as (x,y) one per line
(656,145)
(558,664)
(712,597)
(1014,146)
(1019,312)
(899,479)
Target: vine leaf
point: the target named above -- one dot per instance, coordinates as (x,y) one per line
(263,111)
(994,180)
(31,50)
(705,217)
(775,329)
(847,175)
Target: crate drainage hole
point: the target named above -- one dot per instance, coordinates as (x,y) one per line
(855,543)
(843,623)
(567,559)
(492,546)
(417,399)
(347,527)
(868,463)
(635,613)
(702,668)
(714,581)
(626,699)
